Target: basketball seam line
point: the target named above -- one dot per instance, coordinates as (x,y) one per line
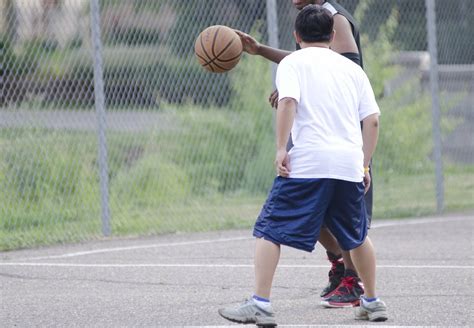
(213,60)
(214,53)
(220,53)
(205,52)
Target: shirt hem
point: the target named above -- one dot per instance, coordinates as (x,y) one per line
(326,176)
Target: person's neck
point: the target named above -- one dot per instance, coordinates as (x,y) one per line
(314,44)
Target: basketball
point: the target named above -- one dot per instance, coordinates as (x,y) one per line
(218,48)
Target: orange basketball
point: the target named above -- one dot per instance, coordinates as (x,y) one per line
(218,48)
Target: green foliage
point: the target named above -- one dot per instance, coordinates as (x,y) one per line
(52,168)
(214,150)
(239,153)
(404,144)
(378,52)
(48,181)
(151,180)
(16,69)
(260,171)
(251,97)
(194,16)
(452,17)
(400,130)
(212,168)
(66,78)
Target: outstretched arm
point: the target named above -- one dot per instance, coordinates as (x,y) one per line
(253,47)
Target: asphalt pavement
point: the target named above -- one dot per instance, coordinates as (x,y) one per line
(425,275)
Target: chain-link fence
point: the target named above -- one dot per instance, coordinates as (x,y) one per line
(108,125)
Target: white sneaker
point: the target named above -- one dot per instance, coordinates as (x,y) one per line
(249,312)
(372,311)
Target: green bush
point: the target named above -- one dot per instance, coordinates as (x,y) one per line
(405,146)
(16,70)
(49,184)
(150,181)
(44,164)
(222,151)
(251,98)
(138,77)
(214,147)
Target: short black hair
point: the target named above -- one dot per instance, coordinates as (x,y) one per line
(314,24)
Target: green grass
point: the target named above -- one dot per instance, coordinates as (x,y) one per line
(396,196)
(208,214)
(27,235)
(179,180)
(210,174)
(216,213)
(399,196)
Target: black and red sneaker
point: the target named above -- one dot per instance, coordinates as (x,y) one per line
(335,274)
(347,294)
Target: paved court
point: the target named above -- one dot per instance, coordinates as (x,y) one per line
(425,277)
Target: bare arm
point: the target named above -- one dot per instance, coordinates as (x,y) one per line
(253,47)
(284,121)
(343,41)
(370,135)
(273,54)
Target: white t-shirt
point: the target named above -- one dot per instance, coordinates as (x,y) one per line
(333,95)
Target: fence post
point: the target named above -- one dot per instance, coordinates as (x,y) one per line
(101,115)
(272,29)
(436,113)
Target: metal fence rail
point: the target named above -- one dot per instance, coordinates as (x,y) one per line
(109,126)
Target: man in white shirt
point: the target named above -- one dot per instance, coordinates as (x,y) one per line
(323,178)
(343,288)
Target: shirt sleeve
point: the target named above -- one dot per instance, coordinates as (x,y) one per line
(368,104)
(287,82)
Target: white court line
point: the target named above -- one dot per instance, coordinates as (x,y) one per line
(129,248)
(400,222)
(336,326)
(217,265)
(403,222)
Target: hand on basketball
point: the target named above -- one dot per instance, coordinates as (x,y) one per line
(367,181)
(282,163)
(249,44)
(273,99)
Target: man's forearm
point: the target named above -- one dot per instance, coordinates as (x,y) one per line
(284,121)
(273,54)
(370,134)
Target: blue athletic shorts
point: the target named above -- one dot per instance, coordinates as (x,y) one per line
(296,209)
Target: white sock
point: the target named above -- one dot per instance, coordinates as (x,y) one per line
(370,300)
(262,303)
